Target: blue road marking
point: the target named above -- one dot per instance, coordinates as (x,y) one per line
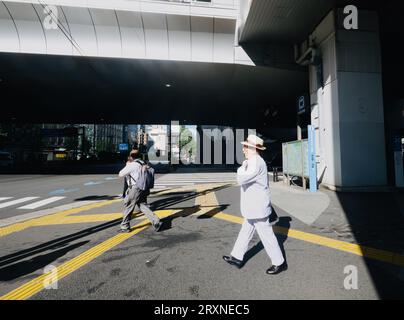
(62,191)
(92,183)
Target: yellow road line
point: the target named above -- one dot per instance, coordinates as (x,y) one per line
(62,217)
(207,203)
(363,251)
(38,284)
(209,200)
(229,218)
(89,218)
(51,219)
(205,200)
(104,217)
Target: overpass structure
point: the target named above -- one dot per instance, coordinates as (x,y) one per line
(228,62)
(138,29)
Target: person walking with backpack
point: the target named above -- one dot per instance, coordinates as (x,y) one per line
(140,179)
(135,149)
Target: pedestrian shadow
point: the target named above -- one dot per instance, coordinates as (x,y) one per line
(185,212)
(181,196)
(283,222)
(214,211)
(14,258)
(27,261)
(19,269)
(171,200)
(96,198)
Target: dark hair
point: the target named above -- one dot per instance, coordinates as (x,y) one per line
(135,154)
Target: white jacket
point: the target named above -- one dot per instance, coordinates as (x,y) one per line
(254,181)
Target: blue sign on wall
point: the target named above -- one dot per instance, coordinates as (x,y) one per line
(301,105)
(123,147)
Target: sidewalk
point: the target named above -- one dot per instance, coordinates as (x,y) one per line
(374,219)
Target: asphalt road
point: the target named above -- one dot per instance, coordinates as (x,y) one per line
(65,188)
(184,261)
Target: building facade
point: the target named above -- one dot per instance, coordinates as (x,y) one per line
(348,69)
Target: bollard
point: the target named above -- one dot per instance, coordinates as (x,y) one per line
(275,173)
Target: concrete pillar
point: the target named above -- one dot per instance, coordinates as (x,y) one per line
(347,103)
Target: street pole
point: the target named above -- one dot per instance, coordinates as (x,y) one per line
(312,159)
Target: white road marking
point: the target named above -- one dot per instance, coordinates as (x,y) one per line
(174,183)
(92,183)
(45,212)
(5,198)
(41,203)
(18,201)
(193,179)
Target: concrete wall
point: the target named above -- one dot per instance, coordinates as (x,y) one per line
(348,110)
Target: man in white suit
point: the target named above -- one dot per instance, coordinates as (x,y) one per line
(256,208)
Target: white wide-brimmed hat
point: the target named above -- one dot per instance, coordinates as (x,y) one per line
(254,142)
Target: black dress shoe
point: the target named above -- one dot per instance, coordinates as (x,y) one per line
(277,269)
(233,261)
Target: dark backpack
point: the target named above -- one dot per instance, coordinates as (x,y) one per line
(146,176)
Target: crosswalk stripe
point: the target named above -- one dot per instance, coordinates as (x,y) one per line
(18,201)
(192,179)
(41,203)
(199,179)
(5,198)
(179,183)
(173,183)
(194,182)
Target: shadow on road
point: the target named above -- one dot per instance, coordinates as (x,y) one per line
(214,211)
(8,269)
(16,265)
(181,196)
(23,268)
(167,222)
(96,198)
(376,220)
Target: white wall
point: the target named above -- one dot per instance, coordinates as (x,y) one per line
(117,33)
(228,9)
(325,114)
(363,154)
(348,111)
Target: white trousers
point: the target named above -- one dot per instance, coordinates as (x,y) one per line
(267,236)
